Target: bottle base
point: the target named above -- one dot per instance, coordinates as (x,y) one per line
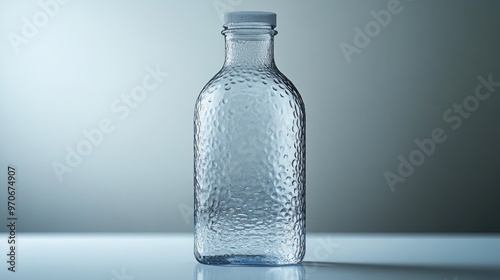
(257,260)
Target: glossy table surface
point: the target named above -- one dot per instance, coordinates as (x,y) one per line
(329,256)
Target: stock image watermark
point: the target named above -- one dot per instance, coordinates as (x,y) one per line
(122,275)
(225,6)
(321,254)
(121,108)
(11,217)
(48,9)
(373,28)
(454,118)
(187,213)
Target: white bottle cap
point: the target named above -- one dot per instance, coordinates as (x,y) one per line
(249,16)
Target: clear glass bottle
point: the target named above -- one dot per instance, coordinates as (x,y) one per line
(249,154)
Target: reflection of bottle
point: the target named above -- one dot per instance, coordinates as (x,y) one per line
(249,153)
(210,272)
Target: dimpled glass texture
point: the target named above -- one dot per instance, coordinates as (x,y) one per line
(249,158)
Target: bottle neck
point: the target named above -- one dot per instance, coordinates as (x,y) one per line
(249,46)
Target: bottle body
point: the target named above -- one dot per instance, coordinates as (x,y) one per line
(249,168)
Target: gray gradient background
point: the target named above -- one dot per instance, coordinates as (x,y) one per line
(360,115)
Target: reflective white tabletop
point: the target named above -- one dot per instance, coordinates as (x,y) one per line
(329,256)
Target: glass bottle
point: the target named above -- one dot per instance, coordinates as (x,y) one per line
(249,153)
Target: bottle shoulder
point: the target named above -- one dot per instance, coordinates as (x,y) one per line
(266,82)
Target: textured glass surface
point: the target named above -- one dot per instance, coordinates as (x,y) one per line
(249,161)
